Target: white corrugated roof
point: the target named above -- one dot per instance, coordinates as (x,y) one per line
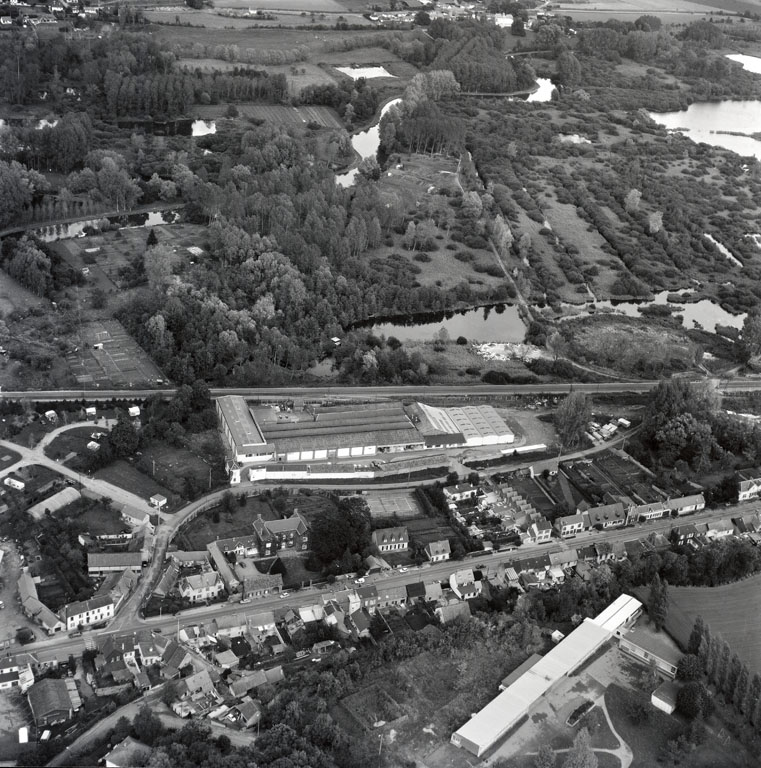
(618,613)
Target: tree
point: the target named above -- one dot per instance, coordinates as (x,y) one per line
(571,419)
(158,266)
(658,602)
(545,757)
(752,697)
(567,69)
(693,700)
(518,27)
(698,630)
(123,438)
(147,725)
(581,754)
(689,668)
(741,689)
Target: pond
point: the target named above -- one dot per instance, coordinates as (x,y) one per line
(77,228)
(500,322)
(704,313)
(365,144)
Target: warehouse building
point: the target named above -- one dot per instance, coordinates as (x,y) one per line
(510,707)
(473,426)
(241,432)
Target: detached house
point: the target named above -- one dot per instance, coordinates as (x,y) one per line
(437,551)
(391,539)
(460,492)
(541,531)
(201,586)
(570,525)
(291,533)
(749,484)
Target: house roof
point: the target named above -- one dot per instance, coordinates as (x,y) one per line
(438,548)
(686,501)
(569,520)
(76,609)
(26,586)
(459,610)
(361,620)
(198,581)
(49,696)
(607,513)
(390,536)
(114,559)
(367,592)
(230,621)
(227,659)
(250,709)
(416,589)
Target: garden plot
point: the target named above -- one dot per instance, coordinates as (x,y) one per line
(109,356)
(402,504)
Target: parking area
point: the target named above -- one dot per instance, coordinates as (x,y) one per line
(403,504)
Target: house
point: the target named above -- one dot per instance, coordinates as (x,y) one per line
(251,680)
(230,625)
(570,525)
(749,484)
(102,563)
(196,695)
(375,564)
(127,753)
(566,558)
(664,696)
(195,636)
(249,711)
(293,623)
(53,701)
(117,648)
(391,596)
(463,583)
(686,505)
(150,648)
(460,492)
(607,516)
(255,584)
(226,659)
(88,612)
(136,518)
(34,608)
(359,623)
(720,529)
(391,539)
(541,531)
(681,534)
(638,513)
(173,659)
(433,591)
(438,551)
(368,597)
(201,586)
(651,647)
(158,501)
(118,586)
(290,533)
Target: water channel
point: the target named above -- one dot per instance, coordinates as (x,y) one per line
(77,228)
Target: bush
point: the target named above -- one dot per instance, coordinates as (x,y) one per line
(462,341)
(422,257)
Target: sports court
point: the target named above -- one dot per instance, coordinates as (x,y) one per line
(403,504)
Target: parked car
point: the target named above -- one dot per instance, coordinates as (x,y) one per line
(360,580)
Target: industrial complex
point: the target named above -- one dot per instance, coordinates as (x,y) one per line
(255,435)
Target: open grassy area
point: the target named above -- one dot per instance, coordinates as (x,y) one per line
(74,441)
(124,475)
(733,610)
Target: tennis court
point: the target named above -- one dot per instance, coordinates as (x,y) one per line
(389,503)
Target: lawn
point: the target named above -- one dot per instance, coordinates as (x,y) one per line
(124,475)
(238,522)
(734,610)
(648,739)
(74,441)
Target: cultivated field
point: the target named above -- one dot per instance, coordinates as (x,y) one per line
(276,115)
(120,362)
(732,610)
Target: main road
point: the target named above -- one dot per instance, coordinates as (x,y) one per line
(338,393)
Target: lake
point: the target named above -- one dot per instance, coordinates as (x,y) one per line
(498,323)
(714,122)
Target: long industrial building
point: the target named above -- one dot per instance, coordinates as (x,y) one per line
(504,712)
(259,434)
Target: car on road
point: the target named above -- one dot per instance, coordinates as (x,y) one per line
(283,595)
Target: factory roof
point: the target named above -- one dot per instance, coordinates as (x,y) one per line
(240,421)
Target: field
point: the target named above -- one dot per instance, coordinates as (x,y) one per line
(733,610)
(276,115)
(124,475)
(171,465)
(73,441)
(120,362)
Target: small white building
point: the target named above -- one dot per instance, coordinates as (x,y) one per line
(201,586)
(664,697)
(13,482)
(438,551)
(91,412)
(158,501)
(133,411)
(88,612)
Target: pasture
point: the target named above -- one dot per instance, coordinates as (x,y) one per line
(733,610)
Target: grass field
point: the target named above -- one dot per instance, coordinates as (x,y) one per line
(733,610)
(124,475)
(73,441)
